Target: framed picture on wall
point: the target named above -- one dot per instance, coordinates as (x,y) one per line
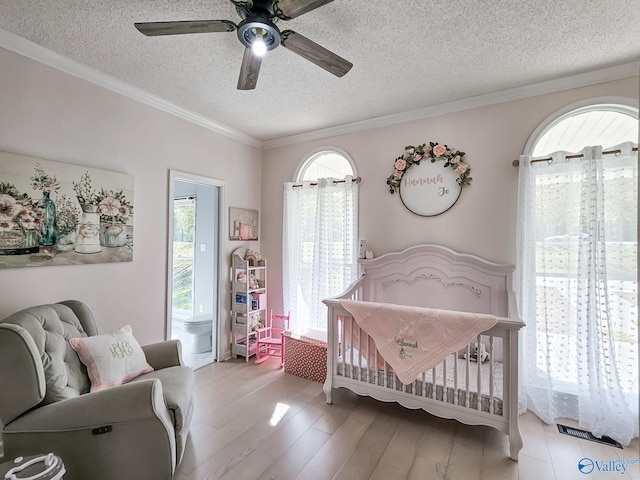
(54,213)
(243,224)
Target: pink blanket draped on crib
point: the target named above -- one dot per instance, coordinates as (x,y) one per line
(415,339)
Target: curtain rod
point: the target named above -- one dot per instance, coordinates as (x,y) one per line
(356,180)
(516,163)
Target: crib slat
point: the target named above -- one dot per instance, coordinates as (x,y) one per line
(368,361)
(344,346)
(379,370)
(394,381)
(445,380)
(424,384)
(375,365)
(479,375)
(455,378)
(384,369)
(433,383)
(491,367)
(351,349)
(345,359)
(467,375)
(393,377)
(360,332)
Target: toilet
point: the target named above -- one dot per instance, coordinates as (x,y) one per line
(198,327)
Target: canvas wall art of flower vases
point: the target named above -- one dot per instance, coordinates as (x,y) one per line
(54,213)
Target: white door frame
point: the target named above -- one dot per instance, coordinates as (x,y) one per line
(176,175)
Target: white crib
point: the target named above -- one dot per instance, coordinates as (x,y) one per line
(472,392)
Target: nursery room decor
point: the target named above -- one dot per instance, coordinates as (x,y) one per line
(248,301)
(426,188)
(252,257)
(243,224)
(54,213)
(434,329)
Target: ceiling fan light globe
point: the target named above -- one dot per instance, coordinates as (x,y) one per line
(258,47)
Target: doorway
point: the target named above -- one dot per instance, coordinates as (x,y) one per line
(196,220)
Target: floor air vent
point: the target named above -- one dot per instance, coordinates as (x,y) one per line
(585,435)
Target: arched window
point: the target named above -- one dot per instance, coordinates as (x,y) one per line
(325,163)
(319,235)
(604,124)
(577,262)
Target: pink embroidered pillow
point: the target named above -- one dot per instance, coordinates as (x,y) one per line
(111,359)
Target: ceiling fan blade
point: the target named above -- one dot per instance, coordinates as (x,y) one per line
(288,9)
(249,70)
(183,27)
(315,53)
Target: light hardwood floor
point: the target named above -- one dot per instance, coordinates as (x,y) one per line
(257,422)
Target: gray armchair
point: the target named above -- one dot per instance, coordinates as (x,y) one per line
(133,431)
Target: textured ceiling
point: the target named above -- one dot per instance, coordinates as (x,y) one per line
(407,54)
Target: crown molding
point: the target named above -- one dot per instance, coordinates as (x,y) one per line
(26,48)
(619,72)
(29,49)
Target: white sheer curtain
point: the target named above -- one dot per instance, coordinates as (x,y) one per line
(319,247)
(577,287)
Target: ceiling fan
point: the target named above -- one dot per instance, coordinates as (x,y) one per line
(258,33)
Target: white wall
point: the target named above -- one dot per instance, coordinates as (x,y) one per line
(49,114)
(482,222)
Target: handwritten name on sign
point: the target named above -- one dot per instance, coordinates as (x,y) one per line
(429,189)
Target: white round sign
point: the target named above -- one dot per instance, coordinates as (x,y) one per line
(429,189)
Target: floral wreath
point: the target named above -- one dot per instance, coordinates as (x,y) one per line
(452,158)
